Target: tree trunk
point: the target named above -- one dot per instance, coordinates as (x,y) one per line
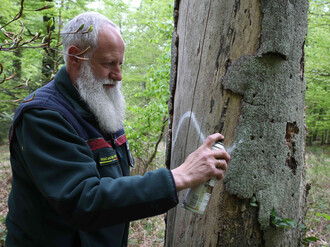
(48,61)
(17,64)
(237,68)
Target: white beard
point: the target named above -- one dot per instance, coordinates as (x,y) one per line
(107,104)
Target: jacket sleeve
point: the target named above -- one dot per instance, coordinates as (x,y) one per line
(60,163)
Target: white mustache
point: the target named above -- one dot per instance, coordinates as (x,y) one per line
(110,82)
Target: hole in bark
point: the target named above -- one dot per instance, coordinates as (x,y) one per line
(211,105)
(228,63)
(275,56)
(252,137)
(291,131)
(292,164)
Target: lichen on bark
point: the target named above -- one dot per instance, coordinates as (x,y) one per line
(267,160)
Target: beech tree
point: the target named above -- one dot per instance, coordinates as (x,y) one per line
(238,69)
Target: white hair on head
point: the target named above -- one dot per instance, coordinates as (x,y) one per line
(80,39)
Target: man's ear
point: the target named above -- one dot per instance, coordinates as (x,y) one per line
(73,63)
(73,53)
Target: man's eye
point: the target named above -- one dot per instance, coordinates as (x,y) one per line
(110,64)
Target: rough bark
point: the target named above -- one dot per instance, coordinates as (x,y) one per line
(17,64)
(237,68)
(48,61)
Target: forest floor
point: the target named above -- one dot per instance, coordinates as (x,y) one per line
(150,231)
(318,204)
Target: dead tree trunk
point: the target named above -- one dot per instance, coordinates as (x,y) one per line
(237,68)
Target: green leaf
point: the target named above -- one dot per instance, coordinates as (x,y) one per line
(309,240)
(324,215)
(80,28)
(280,222)
(50,23)
(90,29)
(312,239)
(253,201)
(303,227)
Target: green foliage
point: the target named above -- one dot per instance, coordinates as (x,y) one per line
(146,30)
(278,221)
(147,121)
(317,71)
(253,201)
(29,48)
(326,216)
(20,53)
(310,240)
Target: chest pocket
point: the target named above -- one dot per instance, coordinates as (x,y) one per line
(108,162)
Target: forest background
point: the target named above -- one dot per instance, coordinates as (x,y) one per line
(147,27)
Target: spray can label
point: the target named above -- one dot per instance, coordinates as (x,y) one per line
(198,197)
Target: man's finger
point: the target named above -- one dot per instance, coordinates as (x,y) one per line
(221,164)
(220,175)
(221,154)
(211,139)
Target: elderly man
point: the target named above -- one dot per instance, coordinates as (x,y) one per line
(70,158)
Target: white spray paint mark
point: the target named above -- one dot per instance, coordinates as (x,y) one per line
(233,147)
(230,149)
(190,115)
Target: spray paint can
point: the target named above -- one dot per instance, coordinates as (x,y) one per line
(198,197)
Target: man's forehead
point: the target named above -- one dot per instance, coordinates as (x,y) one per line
(108,28)
(110,36)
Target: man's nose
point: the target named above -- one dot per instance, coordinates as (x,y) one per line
(115,74)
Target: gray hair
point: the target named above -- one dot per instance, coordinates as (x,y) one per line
(70,36)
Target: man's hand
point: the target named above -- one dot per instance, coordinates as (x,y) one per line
(202,165)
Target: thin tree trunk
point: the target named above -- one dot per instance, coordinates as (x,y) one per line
(48,61)
(17,64)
